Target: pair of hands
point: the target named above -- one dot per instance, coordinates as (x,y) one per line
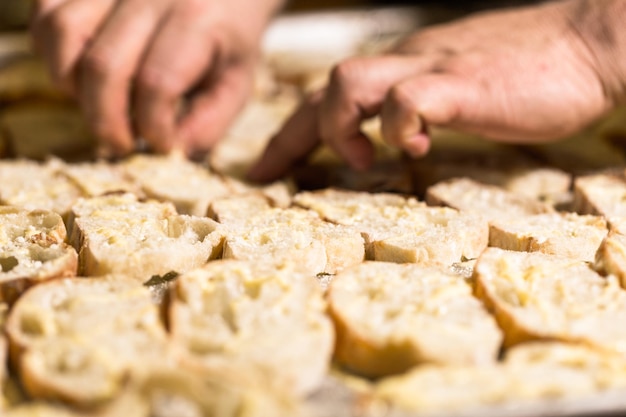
(521,75)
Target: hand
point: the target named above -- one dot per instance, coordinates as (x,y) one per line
(174,72)
(521,75)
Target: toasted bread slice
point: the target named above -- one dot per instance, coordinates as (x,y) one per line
(399,229)
(32,185)
(391,317)
(564,234)
(532,378)
(535,296)
(119,234)
(491,202)
(173,178)
(78,340)
(285,235)
(601,194)
(26,76)
(32,250)
(253,315)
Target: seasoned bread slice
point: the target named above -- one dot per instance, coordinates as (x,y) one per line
(252,315)
(173,178)
(399,229)
(391,317)
(491,202)
(32,185)
(32,250)
(78,340)
(601,194)
(535,296)
(564,234)
(285,235)
(532,378)
(119,234)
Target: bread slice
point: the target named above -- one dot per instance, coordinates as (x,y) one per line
(32,250)
(251,315)
(119,234)
(100,178)
(564,234)
(285,235)
(532,379)
(78,340)
(25,77)
(173,178)
(535,296)
(399,229)
(32,185)
(491,202)
(601,194)
(4,349)
(391,317)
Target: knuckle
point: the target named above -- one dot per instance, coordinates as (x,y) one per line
(154,81)
(99,62)
(345,73)
(400,95)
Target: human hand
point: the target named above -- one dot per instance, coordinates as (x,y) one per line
(173,72)
(523,75)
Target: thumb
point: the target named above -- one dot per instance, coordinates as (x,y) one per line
(416,103)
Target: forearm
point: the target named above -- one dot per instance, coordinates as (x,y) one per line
(601,26)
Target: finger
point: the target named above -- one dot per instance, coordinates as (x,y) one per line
(297,138)
(107,69)
(63,32)
(426,100)
(213,108)
(177,60)
(356,92)
(43,7)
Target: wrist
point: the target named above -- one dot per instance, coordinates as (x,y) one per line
(600,26)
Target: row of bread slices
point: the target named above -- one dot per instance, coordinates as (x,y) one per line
(571,310)
(235,334)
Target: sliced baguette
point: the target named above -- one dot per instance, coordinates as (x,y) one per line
(564,234)
(391,317)
(119,234)
(491,202)
(173,178)
(285,235)
(251,315)
(78,340)
(535,296)
(32,250)
(100,178)
(32,185)
(399,229)
(601,194)
(532,379)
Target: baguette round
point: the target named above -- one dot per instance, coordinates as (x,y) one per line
(535,296)
(391,317)
(32,250)
(251,315)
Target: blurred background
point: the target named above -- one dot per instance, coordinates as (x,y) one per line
(14,13)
